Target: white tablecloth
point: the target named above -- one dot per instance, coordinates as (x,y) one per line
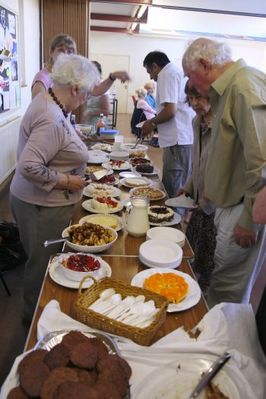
(226,327)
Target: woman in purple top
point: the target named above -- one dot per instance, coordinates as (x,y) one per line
(60,44)
(63,43)
(48,181)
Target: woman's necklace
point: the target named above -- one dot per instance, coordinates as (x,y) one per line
(50,91)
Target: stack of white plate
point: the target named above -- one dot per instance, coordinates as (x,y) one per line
(160,253)
(166,233)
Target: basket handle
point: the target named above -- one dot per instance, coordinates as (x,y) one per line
(83,281)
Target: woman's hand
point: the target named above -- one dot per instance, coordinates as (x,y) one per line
(75,183)
(121,75)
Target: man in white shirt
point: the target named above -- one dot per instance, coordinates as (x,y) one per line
(173,120)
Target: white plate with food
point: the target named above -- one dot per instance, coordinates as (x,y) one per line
(89,237)
(147,170)
(58,276)
(161,215)
(95,168)
(140,161)
(117,165)
(109,179)
(99,189)
(130,182)
(102,205)
(177,379)
(152,193)
(132,146)
(192,297)
(102,147)
(183,201)
(97,156)
(113,221)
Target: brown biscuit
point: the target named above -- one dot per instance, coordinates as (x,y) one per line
(33,356)
(57,376)
(58,356)
(115,370)
(124,366)
(89,377)
(75,390)
(115,378)
(100,347)
(107,390)
(84,355)
(73,338)
(115,362)
(17,393)
(32,378)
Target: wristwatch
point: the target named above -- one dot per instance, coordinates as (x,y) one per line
(112,77)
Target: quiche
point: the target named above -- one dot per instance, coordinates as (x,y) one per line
(169,285)
(152,193)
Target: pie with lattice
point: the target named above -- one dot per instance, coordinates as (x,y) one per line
(169,285)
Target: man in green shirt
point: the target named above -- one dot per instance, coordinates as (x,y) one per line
(236,158)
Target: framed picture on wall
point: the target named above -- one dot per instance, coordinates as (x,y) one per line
(9,73)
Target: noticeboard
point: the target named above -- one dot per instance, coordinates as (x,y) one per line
(9,73)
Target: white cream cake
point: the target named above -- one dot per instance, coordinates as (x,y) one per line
(160,213)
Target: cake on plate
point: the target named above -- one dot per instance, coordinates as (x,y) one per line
(170,285)
(144,168)
(104,204)
(160,213)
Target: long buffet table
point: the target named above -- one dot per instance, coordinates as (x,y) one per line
(124,262)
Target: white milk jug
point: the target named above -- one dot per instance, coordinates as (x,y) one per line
(137,221)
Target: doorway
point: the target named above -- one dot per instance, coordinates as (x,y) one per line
(111,63)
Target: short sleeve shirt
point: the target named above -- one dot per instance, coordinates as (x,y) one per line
(170,89)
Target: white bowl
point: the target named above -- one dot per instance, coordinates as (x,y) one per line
(119,155)
(89,248)
(76,275)
(160,253)
(166,233)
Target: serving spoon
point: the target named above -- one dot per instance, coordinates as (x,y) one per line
(54,241)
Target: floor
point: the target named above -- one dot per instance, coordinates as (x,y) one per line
(13,333)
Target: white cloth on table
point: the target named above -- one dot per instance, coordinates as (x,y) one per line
(226,327)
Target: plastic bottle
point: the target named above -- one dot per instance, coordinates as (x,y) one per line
(100,124)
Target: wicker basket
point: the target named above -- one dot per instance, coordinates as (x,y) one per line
(142,336)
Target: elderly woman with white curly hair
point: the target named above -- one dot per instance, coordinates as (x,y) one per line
(48,181)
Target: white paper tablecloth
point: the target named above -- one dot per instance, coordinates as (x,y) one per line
(226,327)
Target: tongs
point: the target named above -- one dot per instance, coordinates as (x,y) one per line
(210,374)
(139,141)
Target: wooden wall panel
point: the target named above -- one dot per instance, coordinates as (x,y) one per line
(65,16)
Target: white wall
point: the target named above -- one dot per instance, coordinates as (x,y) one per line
(138,46)
(29,36)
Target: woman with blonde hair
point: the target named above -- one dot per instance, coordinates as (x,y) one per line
(148,111)
(64,43)
(61,43)
(150,87)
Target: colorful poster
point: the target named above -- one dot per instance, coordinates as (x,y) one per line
(9,74)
